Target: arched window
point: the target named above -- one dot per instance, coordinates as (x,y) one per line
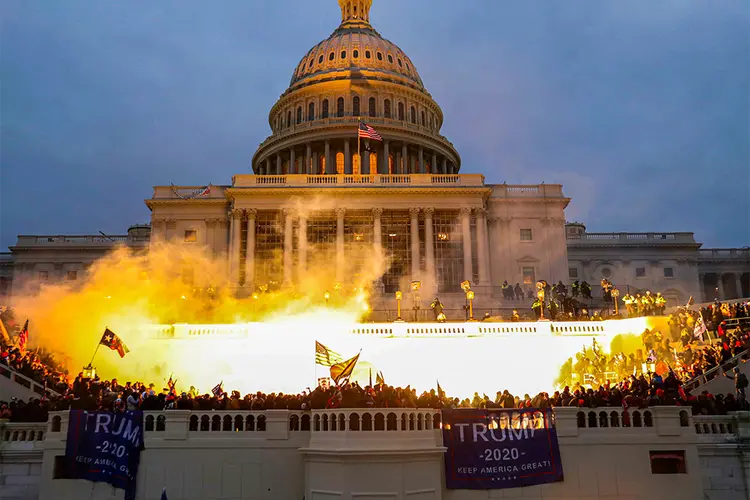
(367,54)
(320,59)
(324,112)
(424,122)
(401,111)
(288,118)
(372,111)
(355,53)
(343,54)
(380,56)
(311,112)
(390,58)
(355,106)
(340,163)
(399,62)
(340,106)
(331,56)
(413,113)
(299,114)
(387,108)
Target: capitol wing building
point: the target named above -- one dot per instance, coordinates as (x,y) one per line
(388,209)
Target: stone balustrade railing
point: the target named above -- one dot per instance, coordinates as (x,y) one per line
(14,376)
(89,240)
(724,253)
(371,180)
(632,238)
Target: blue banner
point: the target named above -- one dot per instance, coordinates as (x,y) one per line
(105,447)
(499,448)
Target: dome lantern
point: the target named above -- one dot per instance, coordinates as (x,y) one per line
(355,11)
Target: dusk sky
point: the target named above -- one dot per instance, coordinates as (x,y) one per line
(639,107)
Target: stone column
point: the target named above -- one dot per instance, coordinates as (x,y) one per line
(429,245)
(397,164)
(340,244)
(315,168)
(482,252)
(250,250)
(466,237)
(347,158)
(267,171)
(308,159)
(405,157)
(292,161)
(384,162)
(278,163)
(330,166)
(288,240)
(377,243)
(444,170)
(365,162)
(415,260)
(302,250)
(433,165)
(421,168)
(234,246)
(702,284)
(738,281)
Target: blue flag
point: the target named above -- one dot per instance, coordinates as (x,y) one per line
(164,494)
(105,446)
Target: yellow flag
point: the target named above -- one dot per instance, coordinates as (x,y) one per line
(344,369)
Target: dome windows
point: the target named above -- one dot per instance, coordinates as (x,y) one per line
(368,55)
(387,108)
(400,64)
(299,114)
(331,56)
(340,107)
(390,58)
(413,115)
(324,110)
(355,106)
(355,53)
(311,63)
(311,112)
(288,118)
(380,56)
(372,111)
(343,54)
(320,59)
(401,111)
(424,122)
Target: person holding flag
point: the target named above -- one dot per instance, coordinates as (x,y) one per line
(23,336)
(218,390)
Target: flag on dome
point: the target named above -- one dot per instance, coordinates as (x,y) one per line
(326,357)
(111,340)
(23,337)
(344,369)
(368,132)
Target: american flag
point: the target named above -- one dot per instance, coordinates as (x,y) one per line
(23,337)
(368,132)
(217,390)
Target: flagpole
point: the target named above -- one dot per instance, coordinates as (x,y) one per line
(95,351)
(359,141)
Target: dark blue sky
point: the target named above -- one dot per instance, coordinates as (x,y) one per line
(639,107)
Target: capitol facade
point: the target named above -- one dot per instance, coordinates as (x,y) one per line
(391,212)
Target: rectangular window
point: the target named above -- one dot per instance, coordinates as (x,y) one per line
(526,235)
(572,272)
(668,272)
(668,462)
(60,468)
(191,236)
(43,275)
(528,276)
(640,272)
(71,275)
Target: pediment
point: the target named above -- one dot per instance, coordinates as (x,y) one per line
(528,258)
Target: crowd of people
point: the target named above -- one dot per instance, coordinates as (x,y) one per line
(653,375)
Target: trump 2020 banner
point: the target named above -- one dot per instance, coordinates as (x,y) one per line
(105,447)
(499,448)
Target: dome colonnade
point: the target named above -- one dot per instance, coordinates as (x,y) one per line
(355,75)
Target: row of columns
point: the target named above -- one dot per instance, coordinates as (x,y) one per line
(249,215)
(725,291)
(273,164)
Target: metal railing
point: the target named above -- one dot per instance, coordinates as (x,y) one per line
(9,373)
(716,371)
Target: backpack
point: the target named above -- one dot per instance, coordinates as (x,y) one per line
(741,381)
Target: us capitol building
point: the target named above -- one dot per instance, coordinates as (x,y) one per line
(319,197)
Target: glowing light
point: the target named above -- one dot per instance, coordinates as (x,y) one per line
(442,236)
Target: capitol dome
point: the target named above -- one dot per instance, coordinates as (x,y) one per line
(355,75)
